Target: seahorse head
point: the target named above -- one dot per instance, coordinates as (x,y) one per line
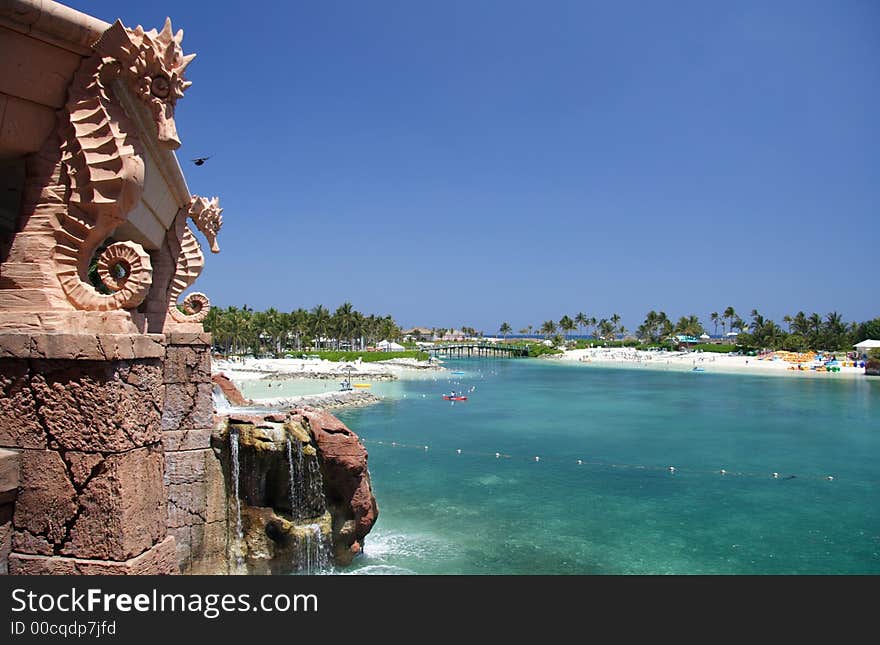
(205,213)
(152,63)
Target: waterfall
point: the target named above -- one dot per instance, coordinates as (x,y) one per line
(239,533)
(305,489)
(221,404)
(316,558)
(295,475)
(316,484)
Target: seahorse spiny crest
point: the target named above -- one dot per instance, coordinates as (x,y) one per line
(205,214)
(153,64)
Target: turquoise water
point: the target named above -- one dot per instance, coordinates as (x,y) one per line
(621,511)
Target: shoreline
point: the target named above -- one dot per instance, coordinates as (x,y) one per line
(323,401)
(319,371)
(632,358)
(315,369)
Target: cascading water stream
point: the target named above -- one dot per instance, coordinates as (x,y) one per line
(317,552)
(306,487)
(221,403)
(239,533)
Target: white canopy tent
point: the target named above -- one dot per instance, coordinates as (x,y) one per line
(389,346)
(867,344)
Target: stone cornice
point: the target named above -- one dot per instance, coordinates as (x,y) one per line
(82,347)
(53,23)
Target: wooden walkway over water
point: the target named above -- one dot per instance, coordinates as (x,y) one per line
(465,350)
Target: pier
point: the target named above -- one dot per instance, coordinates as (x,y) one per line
(471,349)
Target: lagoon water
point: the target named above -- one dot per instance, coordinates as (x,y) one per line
(622,511)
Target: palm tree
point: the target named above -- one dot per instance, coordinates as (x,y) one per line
(548,328)
(567,325)
(615,321)
(730,316)
(320,321)
(714,317)
(606,329)
(835,330)
(581,320)
(342,323)
(689,326)
(505,329)
(787,320)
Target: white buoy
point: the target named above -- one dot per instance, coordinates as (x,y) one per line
(393,443)
(537,459)
(458,451)
(580,462)
(672,469)
(830,478)
(426,448)
(497,455)
(775,475)
(722,471)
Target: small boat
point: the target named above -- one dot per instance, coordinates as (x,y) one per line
(363,385)
(457,397)
(699,369)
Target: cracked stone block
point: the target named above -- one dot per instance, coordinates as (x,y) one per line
(19,424)
(188,406)
(196,505)
(46,502)
(159,559)
(187,364)
(99,406)
(5,535)
(121,510)
(196,439)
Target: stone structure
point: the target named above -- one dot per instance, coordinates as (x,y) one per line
(109,459)
(105,385)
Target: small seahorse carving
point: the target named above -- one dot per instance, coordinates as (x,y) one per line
(102,160)
(205,214)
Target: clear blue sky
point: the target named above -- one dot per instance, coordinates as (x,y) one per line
(469,162)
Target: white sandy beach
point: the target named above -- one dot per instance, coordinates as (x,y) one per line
(261,368)
(684,361)
(286,382)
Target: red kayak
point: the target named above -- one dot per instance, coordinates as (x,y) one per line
(454,398)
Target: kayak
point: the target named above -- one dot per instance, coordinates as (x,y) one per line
(362,385)
(454,398)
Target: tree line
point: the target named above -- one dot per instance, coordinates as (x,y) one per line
(241,331)
(803,331)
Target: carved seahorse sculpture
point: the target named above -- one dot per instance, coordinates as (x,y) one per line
(205,214)
(102,163)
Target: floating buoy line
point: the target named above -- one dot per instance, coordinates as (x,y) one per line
(672,470)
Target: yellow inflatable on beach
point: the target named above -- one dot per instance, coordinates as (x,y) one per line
(363,385)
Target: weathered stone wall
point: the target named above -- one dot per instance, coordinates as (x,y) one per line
(196,514)
(84,413)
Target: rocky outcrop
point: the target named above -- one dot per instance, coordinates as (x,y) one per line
(303,492)
(232,393)
(323,401)
(346,480)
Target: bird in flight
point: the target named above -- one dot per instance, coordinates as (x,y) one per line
(200,160)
